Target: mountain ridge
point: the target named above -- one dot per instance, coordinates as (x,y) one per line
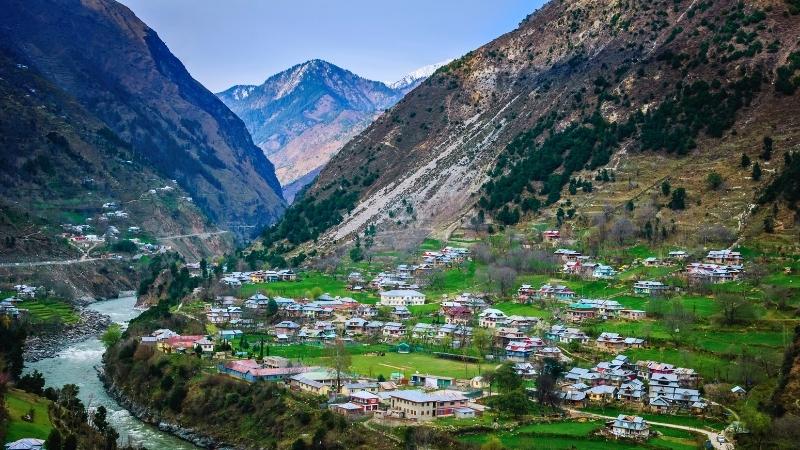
(301,116)
(128,78)
(494,131)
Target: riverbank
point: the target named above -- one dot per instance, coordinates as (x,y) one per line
(153,418)
(91,323)
(76,364)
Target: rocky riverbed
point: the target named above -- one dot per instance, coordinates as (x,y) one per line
(91,323)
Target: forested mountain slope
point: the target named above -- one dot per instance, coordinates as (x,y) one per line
(115,67)
(651,91)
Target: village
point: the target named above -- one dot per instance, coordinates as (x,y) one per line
(416,358)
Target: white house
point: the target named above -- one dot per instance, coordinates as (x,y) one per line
(402,297)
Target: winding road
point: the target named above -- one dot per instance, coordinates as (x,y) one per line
(85,258)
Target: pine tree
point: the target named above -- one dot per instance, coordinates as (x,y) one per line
(756,171)
(745,161)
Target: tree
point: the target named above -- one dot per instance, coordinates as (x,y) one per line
(70,443)
(53,441)
(481,340)
(745,161)
(32,382)
(112,335)
(735,309)
(678,200)
(503,278)
(506,378)
(714,181)
(272,307)
(756,171)
(99,420)
(665,188)
(766,149)
(622,230)
(340,361)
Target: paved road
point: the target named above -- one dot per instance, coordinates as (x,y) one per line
(85,258)
(60,262)
(712,435)
(205,235)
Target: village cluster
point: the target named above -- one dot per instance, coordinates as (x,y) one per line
(525,341)
(10,306)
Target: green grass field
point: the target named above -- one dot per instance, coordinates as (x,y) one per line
(410,363)
(19,403)
(44,310)
(519,309)
(578,435)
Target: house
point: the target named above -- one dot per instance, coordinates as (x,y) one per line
(633,391)
(525,370)
(347,409)
(677,255)
(549,353)
(525,292)
(394,330)
(316,382)
(421,406)
(366,400)
(252,371)
(632,314)
(603,272)
(613,342)
(523,350)
(564,335)
(400,313)
(457,315)
(713,273)
(431,381)
(402,297)
(567,255)
(574,397)
(229,335)
(464,413)
(578,312)
(355,326)
(424,331)
(558,292)
(651,261)
(728,257)
(738,391)
(363,386)
(490,318)
(179,343)
(630,427)
(601,394)
(551,235)
(651,288)
(25,444)
(287,327)
(205,344)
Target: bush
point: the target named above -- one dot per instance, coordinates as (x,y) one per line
(714,181)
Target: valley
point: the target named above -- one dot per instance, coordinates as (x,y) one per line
(582,233)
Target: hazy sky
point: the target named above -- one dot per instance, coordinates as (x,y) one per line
(227,42)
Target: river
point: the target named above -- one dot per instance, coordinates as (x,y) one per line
(76,365)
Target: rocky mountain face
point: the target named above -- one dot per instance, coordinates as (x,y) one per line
(59,164)
(650,91)
(302,116)
(118,70)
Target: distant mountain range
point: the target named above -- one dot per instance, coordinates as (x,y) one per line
(302,116)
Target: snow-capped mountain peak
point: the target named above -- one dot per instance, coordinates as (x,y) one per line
(414,77)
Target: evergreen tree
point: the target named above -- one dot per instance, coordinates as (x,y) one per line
(745,161)
(756,172)
(678,200)
(53,441)
(665,188)
(766,151)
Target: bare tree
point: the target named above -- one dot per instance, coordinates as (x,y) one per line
(502,278)
(622,230)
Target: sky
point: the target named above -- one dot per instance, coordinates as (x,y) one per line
(227,42)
